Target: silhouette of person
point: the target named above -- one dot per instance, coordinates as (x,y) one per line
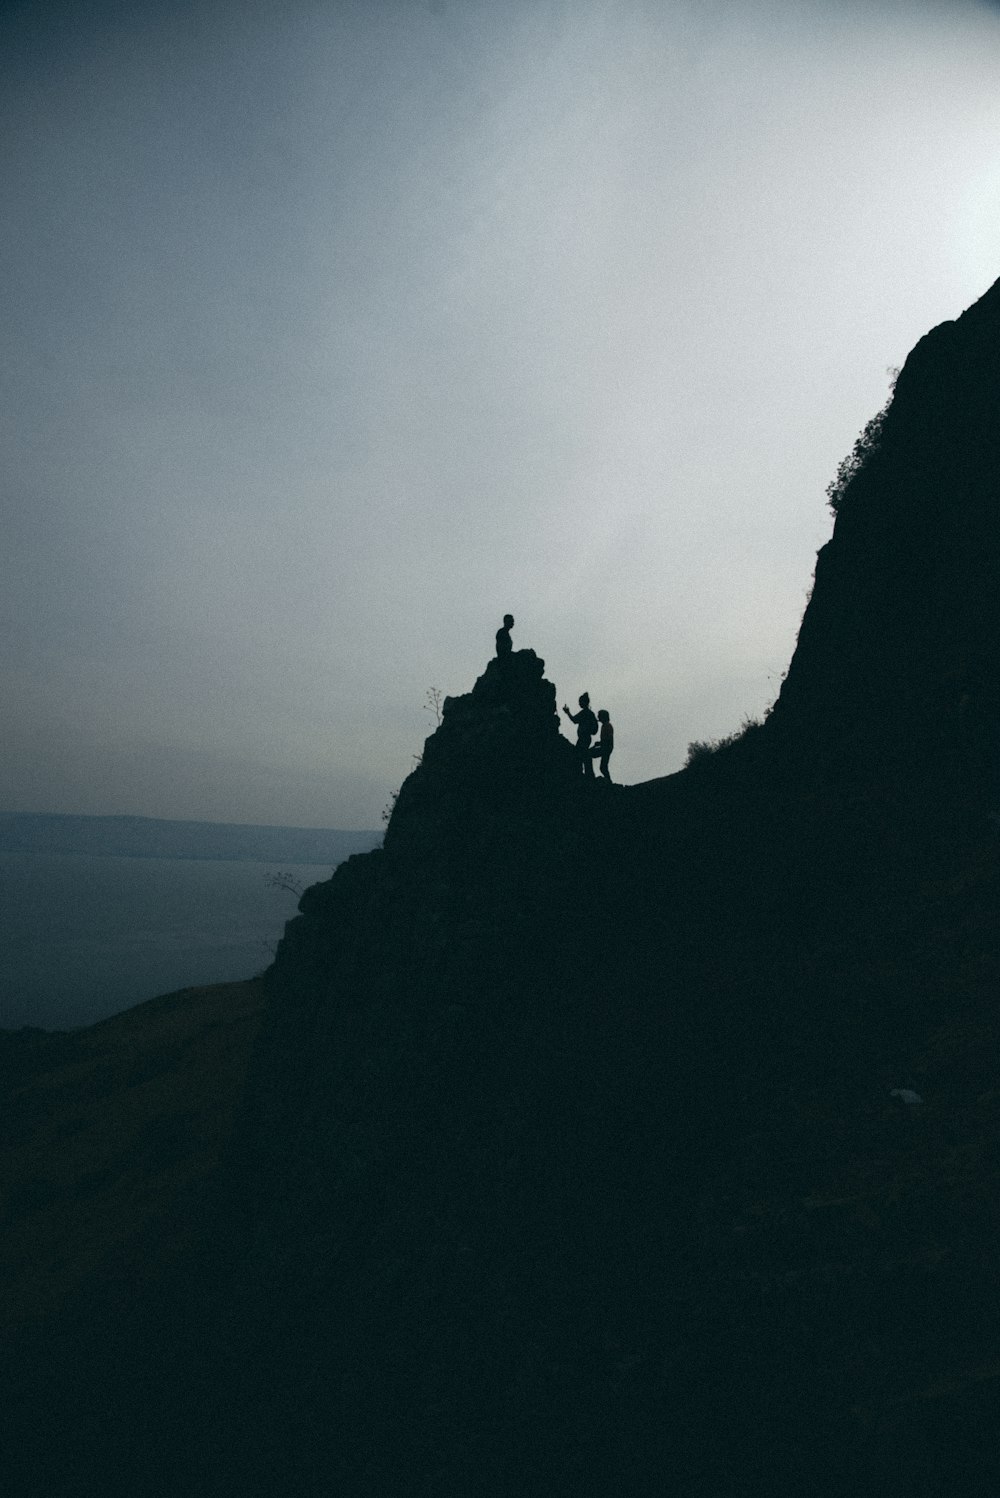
(586,727)
(505,644)
(604,748)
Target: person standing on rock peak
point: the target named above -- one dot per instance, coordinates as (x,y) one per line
(586,727)
(505,644)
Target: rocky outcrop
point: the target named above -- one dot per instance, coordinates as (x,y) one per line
(452,918)
(897,668)
(493,790)
(496,746)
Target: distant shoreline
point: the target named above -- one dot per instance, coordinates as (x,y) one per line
(154,837)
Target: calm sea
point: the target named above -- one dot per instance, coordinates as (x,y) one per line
(82,938)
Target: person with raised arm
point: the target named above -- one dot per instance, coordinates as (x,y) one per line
(586,727)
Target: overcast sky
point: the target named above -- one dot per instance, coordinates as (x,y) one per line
(333,331)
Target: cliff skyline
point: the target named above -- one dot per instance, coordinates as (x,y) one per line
(336,332)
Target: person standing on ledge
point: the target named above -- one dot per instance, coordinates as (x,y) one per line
(505,644)
(602,750)
(586,727)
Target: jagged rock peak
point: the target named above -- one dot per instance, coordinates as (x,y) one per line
(502,735)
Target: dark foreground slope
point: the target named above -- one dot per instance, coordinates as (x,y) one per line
(612,1191)
(112,1138)
(569,1161)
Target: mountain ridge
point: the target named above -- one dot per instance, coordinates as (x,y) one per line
(575,1155)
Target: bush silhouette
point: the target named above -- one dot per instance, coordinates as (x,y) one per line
(866,445)
(702,750)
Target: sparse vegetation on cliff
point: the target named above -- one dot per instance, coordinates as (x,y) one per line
(702,750)
(866,446)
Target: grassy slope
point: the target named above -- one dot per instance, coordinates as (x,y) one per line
(107,1133)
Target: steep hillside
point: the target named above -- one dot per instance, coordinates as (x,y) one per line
(643,1139)
(897,667)
(605,1180)
(595,1124)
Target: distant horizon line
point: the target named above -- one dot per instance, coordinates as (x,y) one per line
(6,816)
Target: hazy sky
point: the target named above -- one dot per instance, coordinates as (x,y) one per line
(333,331)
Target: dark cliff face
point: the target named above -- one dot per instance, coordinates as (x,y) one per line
(476,835)
(897,666)
(573,1101)
(456,916)
(549,1083)
(569,1162)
